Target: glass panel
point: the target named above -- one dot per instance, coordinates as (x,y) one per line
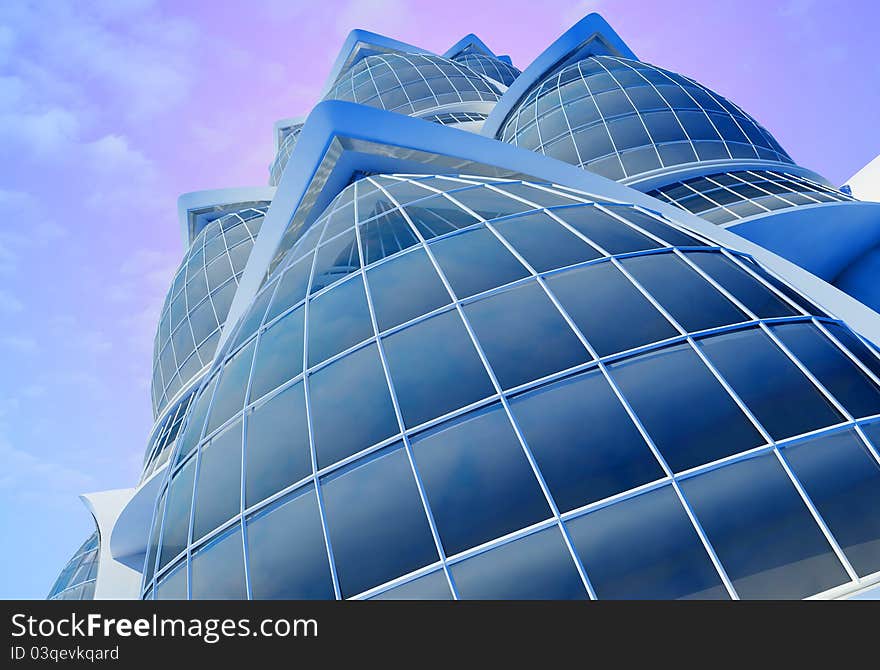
(338,319)
(432,586)
(694,420)
(435,368)
(765,537)
(286,552)
(770,385)
(489,204)
(477,479)
(175,531)
(609,310)
(153,546)
(581,466)
(475,261)
(544,243)
(218,489)
(196,421)
(277,453)
(351,406)
(645,548)
(173,587)
(334,260)
(292,288)
(231,389)
(742,286)
(612,235)
(690,299)
(377,525)
(843,481)
(834,370)
(279,354)
(404,288)
(218,570)
(848,339)
(536,567)
(523,335)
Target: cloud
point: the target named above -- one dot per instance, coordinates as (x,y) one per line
(9,304)
(28,478)
(19,344)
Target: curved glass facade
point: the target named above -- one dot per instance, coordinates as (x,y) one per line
(401,412)
(728,197)
(291,135)
(496,70)
(164,434)
(77,579)
(198,301)
(412,83)
(621,118)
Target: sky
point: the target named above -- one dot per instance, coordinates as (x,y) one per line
(109,109)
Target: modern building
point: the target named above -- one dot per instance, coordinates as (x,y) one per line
(580,331)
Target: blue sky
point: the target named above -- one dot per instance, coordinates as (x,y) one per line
(123,104)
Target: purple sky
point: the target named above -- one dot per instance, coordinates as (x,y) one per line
(109,109)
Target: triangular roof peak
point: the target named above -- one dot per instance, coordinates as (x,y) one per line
(469,44)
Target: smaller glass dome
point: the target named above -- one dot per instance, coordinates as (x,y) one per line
(199,299)
(77,579)
(620,118)
(493,68)
(412,83)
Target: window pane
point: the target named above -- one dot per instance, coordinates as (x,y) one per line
(645,547)
(772,387)
(489,204)
(435,368)
(764,535)
(834,370)
(351,406)
(292,288)
(286,551)
(475,261)
(690,299)
(438,216)
(173,587)
(377,524)
(581,466)
(666,232)
(231,389)
(536,567)
(175,532)
(386,235)
(404,288)
(218,491)
(523,335)
(334,260)
(848,339)
(544,243)
(196,421)
(479,484)
(843,481)
(279,354)
(608,309)
(277,453)
(694,420)
(218,570)
(742,286)
(430,587)
(338,319)
(612,235)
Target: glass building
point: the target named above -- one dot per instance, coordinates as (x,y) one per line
(516,362)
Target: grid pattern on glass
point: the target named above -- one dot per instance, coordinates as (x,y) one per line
(198,301)
(412,83)
(495,69)
(165,433)
(467,392)
(620,117)
(453,118)
(77,579)
(276,169)
(727,197)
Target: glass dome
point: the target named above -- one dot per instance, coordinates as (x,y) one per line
(198,301)
(77,579)
(621,118)
(403,409)
(412,83)
(495,69)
